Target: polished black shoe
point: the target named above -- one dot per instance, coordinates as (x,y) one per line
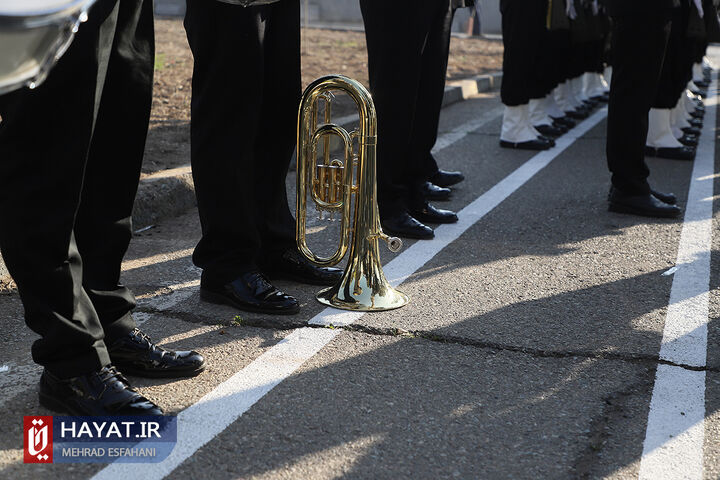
(696,122)
(688,140)
(430,191)
(105,392)
(538,144)
(403,225)
(697,113)
(429,214)
(668,198)
(566,121)
(646,205)
(579,113)
(673,153)
(549,131)
(547,139)
(692,131)
(250,292)
(443,178)
(292,265)
(136,354)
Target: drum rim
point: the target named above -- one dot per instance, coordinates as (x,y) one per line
(48,16)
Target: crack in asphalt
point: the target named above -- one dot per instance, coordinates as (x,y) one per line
(292,324)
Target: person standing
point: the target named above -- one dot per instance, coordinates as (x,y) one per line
(71,155)
(245,94)
(413,41)
(640,32)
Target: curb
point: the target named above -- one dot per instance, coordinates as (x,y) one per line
(169,193)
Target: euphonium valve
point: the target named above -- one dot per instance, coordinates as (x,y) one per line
(333,184)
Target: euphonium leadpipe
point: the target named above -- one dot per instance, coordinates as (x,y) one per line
(331,186)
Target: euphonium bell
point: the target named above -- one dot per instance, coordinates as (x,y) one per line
(331,185)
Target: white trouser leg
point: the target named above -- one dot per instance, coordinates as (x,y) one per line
(551,107)
(677,118)
(660,133)
(538,114)
(697,72)
(607,75)
(516,126)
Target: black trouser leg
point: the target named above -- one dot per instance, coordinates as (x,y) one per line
(638,44)
(103,227)
(45,137)
(431,90)
(238,84)
(521,37)
(396,37)
(278,128)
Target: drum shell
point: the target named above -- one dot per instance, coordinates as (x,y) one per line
(32,41)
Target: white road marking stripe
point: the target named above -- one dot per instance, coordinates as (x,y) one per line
(203,421)
(673,446)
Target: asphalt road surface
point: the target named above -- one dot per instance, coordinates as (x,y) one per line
(545,338)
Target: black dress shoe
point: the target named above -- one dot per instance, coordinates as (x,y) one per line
(547,139)
(430,191)
(403,225)
(105,392)
(697,113)
(688,140)
(538,144)
(579,113)
(443,178)
(136,354)
(566,121)
(429,214)
(250,292)
(673,153)
(668,198)
(549,131)
(292,265)
(692,131)
(695,122)
(646,205)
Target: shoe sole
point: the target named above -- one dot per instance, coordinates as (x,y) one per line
(405,235)
(159,374)
(617,208)
(424,219)
(212,297)
(56,406)
(297,278)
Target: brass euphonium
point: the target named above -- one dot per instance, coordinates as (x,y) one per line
(332,184)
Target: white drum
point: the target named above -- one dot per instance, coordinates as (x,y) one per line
(33,36)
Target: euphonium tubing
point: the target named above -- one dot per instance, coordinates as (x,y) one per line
(332,184)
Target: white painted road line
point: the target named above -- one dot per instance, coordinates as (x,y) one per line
(203,421)
(673,446)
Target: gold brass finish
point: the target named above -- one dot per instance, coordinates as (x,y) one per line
(332,184)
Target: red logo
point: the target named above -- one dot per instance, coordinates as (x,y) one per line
(38,439)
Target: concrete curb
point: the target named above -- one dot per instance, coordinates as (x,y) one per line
(169,193)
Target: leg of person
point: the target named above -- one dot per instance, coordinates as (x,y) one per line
(279,257)
(103,225)
(41,188)
(395,38)
(430,97)
(520,38)
(227,42)
(638,44)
